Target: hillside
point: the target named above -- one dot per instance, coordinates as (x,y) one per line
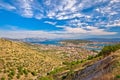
(104,66)
(74,41)
(19,61)
(24,61)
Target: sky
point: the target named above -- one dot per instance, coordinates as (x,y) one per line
(60,19)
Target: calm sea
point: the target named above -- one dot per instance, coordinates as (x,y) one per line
(49,42)
(56,43)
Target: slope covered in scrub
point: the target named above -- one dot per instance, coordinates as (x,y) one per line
(104,66)
(19,61)
(24,61)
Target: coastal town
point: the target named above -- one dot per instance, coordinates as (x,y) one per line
(71,52)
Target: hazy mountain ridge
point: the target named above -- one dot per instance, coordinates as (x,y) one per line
(104,39)
(29,39)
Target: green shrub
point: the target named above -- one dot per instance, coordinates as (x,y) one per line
(34,73)
(11,74)
(18,76)
(0,71)
(2,78)
(9,78)
(66,63)
(117,76)
(56,70)
(108,49)
(72,63)
(90,57)
(25,71)
(64,77)
(20,70)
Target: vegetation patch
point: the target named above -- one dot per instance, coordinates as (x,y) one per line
(108,49)
(117,76)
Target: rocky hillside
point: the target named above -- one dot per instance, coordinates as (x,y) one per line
(24,61)
(95,71)
(104,67)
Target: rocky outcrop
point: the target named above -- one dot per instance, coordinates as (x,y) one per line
(92,72)
(97,69)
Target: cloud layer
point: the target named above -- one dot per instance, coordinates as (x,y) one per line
(88,17)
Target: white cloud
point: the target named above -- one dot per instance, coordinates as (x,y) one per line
(69,4)
(51,14)
(75,30)
(26,34)
(91,31)
(97,31)
(39,16)
(59,26)
(52,23)
(47,2)
(76,23)
(7,6)
(114,1)
(100,13)
(65,9)
(25,8)
(107,10)
(101,32)
(68,16)
(115,24)
(38,34)
(68,32)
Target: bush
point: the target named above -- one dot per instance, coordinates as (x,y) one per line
(34,73)
(20,70)
(66,63)
(75,62)
(72,63)
(55,71)
(11,74)
(18,76)
(117,76)
(108,49)
(25,71)
(90,57)
(45,78)
(2,78)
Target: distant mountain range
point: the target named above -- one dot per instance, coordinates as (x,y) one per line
(32,40)
(104,39)
(38,40)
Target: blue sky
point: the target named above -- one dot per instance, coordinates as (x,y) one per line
(60,18)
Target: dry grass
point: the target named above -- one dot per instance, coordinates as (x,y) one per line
(14,55)
(22,61)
